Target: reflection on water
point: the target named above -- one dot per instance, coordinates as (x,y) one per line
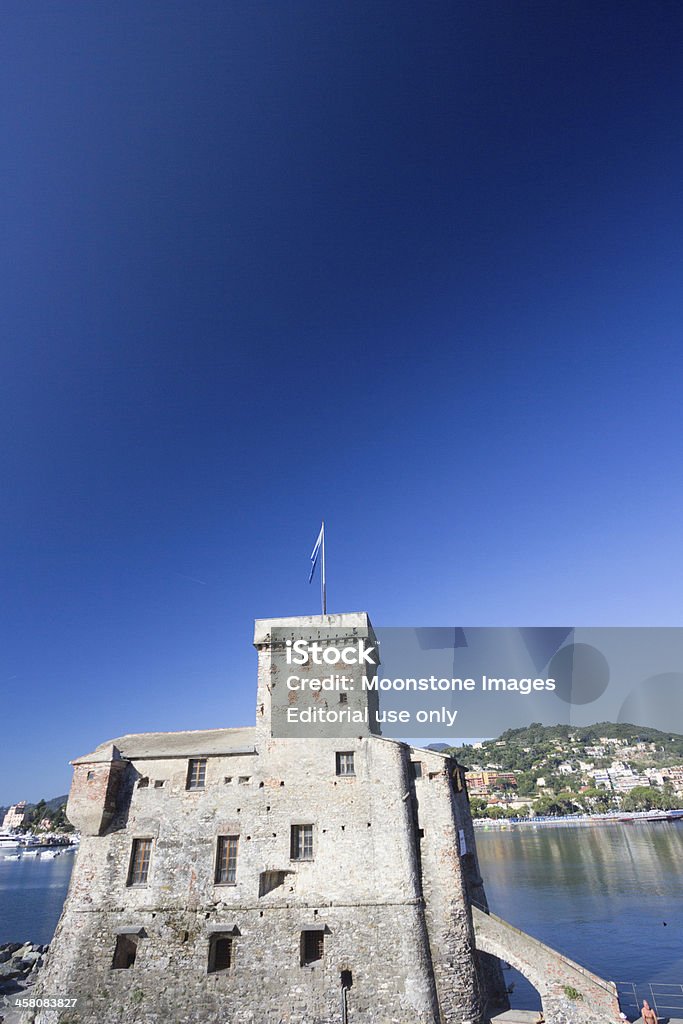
(32,892)
(608,896)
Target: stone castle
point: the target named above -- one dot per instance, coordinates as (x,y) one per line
(230,876)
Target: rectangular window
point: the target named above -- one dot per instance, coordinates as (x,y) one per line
(302,842)
(416,769)
(220,953)
(140,857)
(312,945)
(345,763)
(196,773)
(226,860)
(125,952)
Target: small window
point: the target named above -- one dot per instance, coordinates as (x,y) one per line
(140,857)
(220,953)
(243,779)
(416,769)
(196,773)
(269,880)
(90,776)
(312,946)
(227,780)
(125,952)
(343,698)
(159,783)
(345,763)
(143,783)
(302,842)
(226,860)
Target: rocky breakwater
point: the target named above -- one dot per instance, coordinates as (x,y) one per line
(19,966)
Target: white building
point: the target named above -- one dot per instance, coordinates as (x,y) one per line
(15,816)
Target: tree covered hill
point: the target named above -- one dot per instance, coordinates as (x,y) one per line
(539,746)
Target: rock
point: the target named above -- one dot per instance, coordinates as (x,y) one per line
(9,971)
(4,956)
(30,957)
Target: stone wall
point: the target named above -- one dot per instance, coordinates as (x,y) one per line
(391,904)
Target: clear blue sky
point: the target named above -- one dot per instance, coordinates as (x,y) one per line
(413,267)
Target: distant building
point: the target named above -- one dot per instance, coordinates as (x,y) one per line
(483,783)
(672,775)
(16,816)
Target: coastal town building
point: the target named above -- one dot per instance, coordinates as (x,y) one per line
(240,875)
(15,816)
(483,783)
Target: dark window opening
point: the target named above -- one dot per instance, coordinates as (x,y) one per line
(343,698)
(226,860)
(302,842)
(90,775)
(312,943)
(140,858)
(346,979)
(125,952)
(345,763)
(220,953)
(159,783)
(196,773)
(143,783)
(416,769)
(269,880)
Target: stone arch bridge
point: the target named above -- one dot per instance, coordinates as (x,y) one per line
(569,993)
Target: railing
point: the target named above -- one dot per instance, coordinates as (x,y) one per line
(665,999)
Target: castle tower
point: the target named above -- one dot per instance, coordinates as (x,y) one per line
(283,674)
(256,875)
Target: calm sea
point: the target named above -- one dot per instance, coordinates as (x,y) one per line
(610,897)
(32,892)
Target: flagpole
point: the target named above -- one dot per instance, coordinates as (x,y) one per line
(322,576)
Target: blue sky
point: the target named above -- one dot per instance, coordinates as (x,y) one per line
(415,268)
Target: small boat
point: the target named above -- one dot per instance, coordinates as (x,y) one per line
(49,854)
(31,853)
(12,856)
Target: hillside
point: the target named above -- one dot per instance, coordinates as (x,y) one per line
(605,766)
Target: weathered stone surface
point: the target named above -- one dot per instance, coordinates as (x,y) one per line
(388,888)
